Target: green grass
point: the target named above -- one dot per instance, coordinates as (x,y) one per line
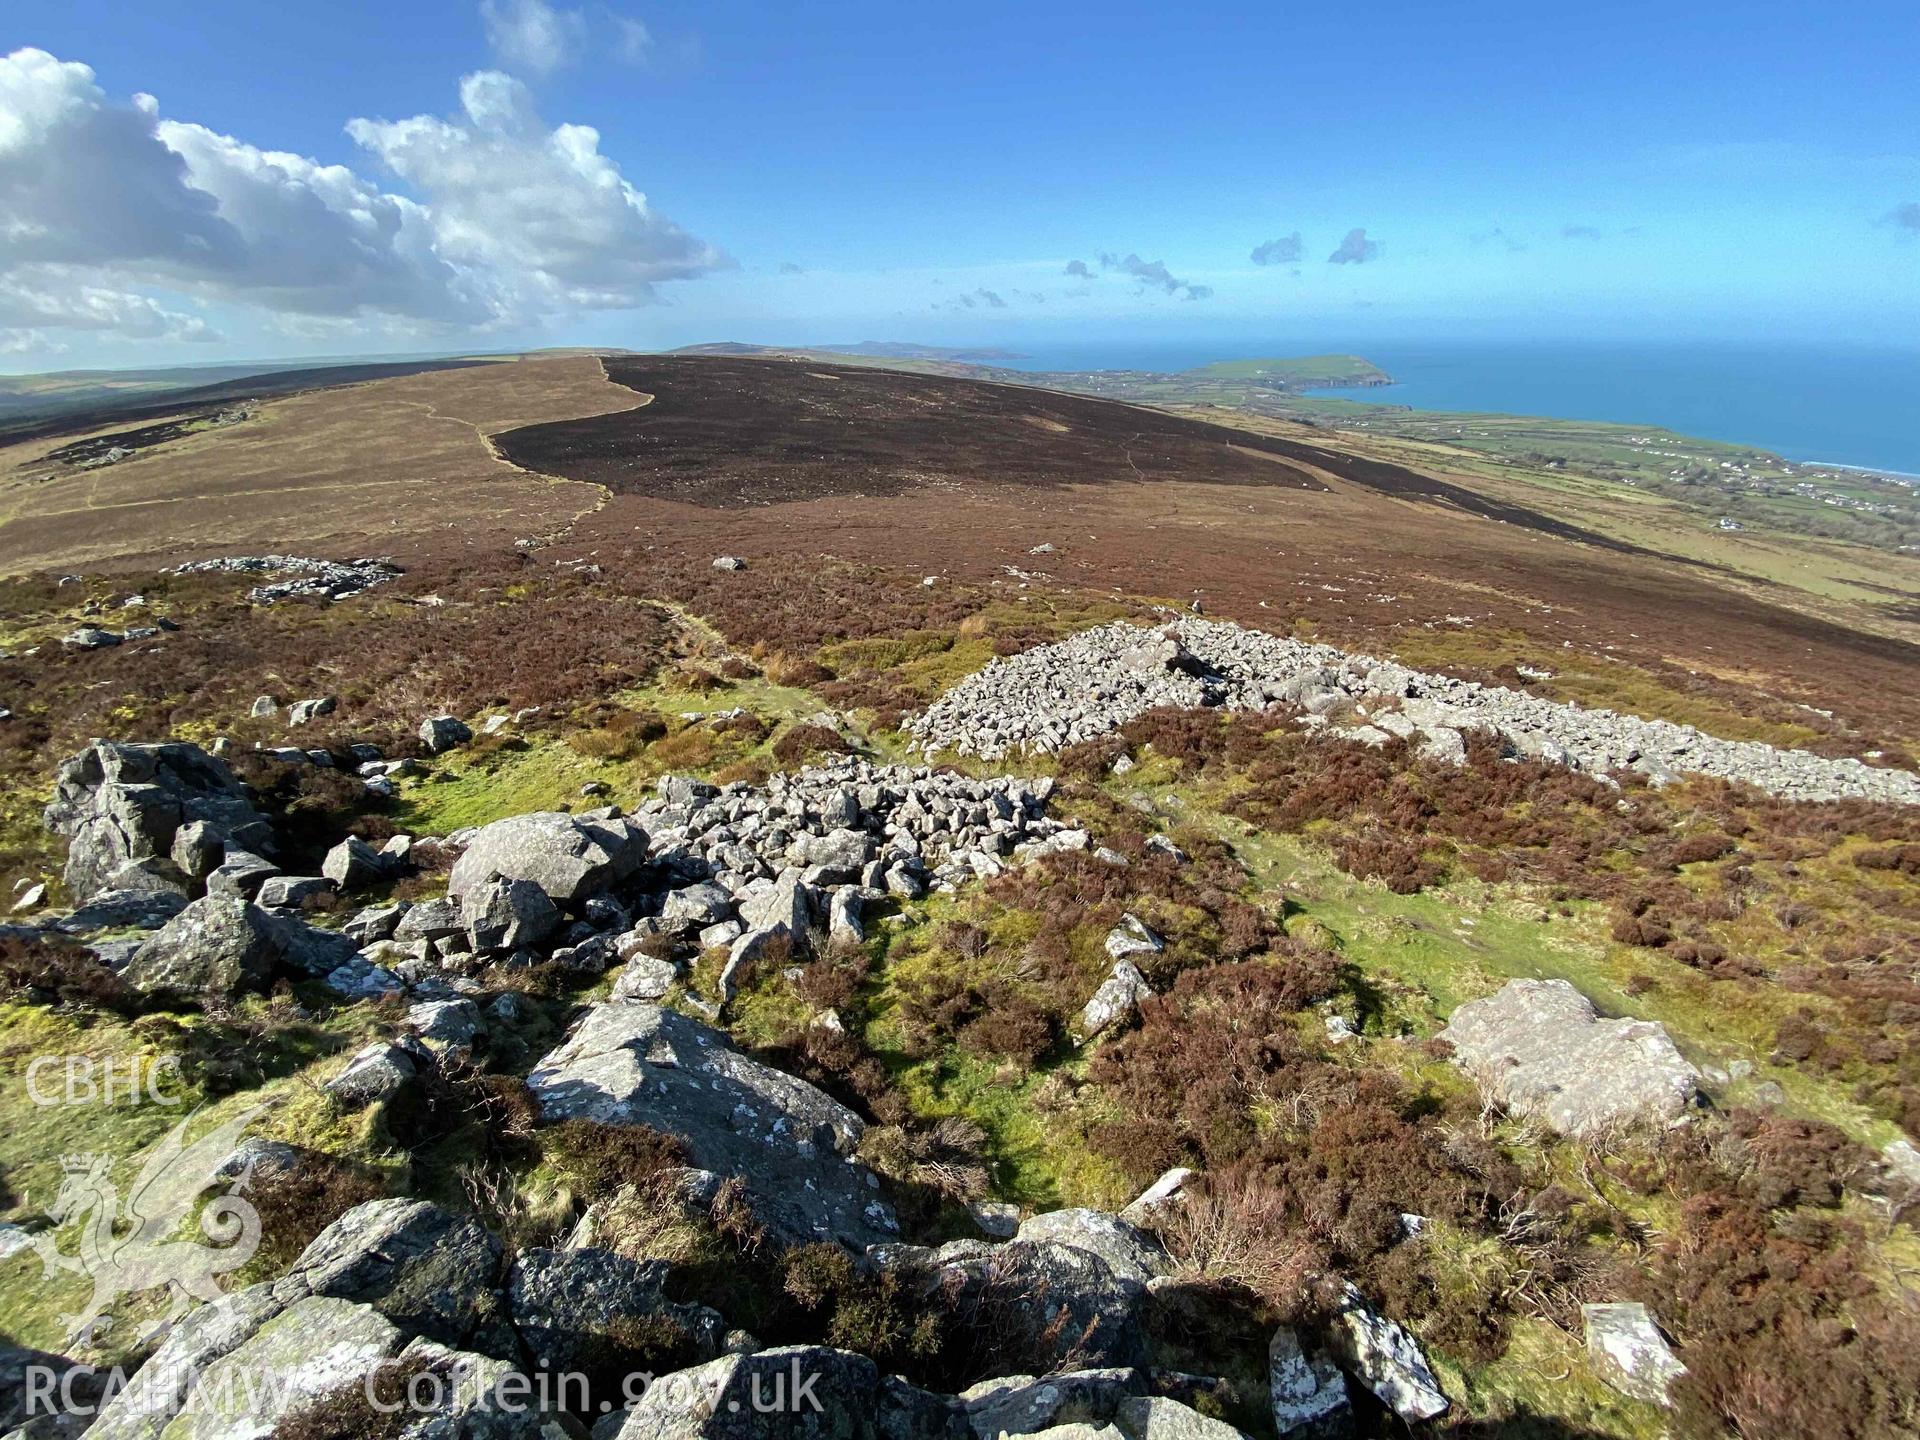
(34,1137)
(1304,370)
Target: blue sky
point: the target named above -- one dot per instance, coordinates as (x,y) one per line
(414,176)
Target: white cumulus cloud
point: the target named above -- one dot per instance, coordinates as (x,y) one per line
(119,220)
(532,35)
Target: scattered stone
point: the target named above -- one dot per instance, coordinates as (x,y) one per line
(1386,1359)
(1092,683)
(90,637)
(375,1074)
(1629,1352)
(218,948)
(1116,1001)
(322,579)
(645,978)
(290,892)
(1132,937)
(1539,1048)
(1307,1392)
(508,915)
(440,733)
(353,864)
(305,712)
(569,857)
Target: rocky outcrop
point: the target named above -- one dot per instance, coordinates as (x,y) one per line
(121,807)
(429,1271)
(1539,1048)
(1058,695)
(221,946)
(570,1306)
(637,1064)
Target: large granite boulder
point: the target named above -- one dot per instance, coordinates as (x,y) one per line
(221,946)
(122,806)
(572,1307)
(1539,1048)
(508,914)
(428,1270)
(636,1064)
(570,857)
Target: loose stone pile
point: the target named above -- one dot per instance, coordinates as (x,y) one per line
(325,579)
(1095,682)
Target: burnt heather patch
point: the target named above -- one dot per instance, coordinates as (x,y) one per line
(734,433)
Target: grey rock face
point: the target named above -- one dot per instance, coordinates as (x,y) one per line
(563,1303)
(569,857)
(220,947)
(1031,1405)
(1117,1000)
(122,804)
(311,1348)
(427,1270)
(353,863)
(1307,1392)
(1386,1359)
(645,978)
(378,1072)
(508,915)
(240,874)
(160,1388)
(447,1026)
(1133,937)
(638,1064)
(1629,1352)
(440,733)
(1539,1048)
(1129,1252)
(845,1398)
(1094,682)
(289,892)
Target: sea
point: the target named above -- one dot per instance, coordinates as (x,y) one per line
(1840,405)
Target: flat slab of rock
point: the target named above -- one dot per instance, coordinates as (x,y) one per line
(311,1348)
(1629,1352)
(1539,1047)
(1386,1359)
(630,1063)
